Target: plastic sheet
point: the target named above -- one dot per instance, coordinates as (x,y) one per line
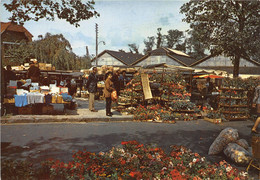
(237,153)
(243,143)
(225,137)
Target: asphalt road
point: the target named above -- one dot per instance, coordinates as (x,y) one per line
(37,142)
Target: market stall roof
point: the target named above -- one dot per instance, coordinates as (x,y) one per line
(172,67)
(212,76)
(210,71)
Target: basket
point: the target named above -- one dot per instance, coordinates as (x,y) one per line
(256,146)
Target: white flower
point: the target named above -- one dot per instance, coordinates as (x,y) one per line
(190,164)
(243,174)
(228,169)
(194,160)
(203,159)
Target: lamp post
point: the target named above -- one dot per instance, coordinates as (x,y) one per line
(97,44)
(104,43)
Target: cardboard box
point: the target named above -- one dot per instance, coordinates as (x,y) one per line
(10,101)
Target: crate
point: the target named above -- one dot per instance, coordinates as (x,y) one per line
(47,109)
(215,121)
(25,110)
(256,146)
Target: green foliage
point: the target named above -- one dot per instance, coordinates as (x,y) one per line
(133,48)
(16,170)
(71,11)
(229,27)
(174,37)
(149,43)
(53,49)
(18,53)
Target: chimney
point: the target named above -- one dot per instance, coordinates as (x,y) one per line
(87,53)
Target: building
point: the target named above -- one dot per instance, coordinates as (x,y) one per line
(12,34)
(246,67)
(116,58)
(167,56)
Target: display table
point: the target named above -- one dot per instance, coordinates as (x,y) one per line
(39,108)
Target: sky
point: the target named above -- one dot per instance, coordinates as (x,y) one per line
(121,22)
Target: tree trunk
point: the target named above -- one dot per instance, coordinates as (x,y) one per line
(236,66)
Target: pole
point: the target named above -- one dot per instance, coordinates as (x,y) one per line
(96,44)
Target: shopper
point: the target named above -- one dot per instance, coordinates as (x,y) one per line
(107,92)
(256,102)
(92,88)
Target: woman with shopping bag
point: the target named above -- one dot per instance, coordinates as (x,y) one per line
(107,92)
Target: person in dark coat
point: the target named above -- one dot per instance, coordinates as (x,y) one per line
(92,88)
(116,82)
(9,74)
(107,92)
(34,73)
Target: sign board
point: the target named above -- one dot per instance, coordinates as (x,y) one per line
(146,86)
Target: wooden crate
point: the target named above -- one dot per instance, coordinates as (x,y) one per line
(215,121)
(47,109)
(25,110)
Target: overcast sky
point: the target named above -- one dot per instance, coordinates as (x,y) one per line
(121,22)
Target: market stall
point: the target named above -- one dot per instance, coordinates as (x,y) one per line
(22,96)
(168,99)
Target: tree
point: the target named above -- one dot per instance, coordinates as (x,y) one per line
(149,44)
(53,49)
(229,27)
(71,11)
(133,48)
(160,38)
(194,46)
(17,53)
(173,38)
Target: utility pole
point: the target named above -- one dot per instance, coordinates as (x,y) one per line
(96,44)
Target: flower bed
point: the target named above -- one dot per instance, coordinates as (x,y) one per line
(132,160)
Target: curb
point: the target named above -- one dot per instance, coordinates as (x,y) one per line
(60,119)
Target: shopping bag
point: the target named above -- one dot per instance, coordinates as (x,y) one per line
(114,95)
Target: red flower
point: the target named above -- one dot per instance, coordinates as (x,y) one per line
(124,142)
(136,175)
(123,162)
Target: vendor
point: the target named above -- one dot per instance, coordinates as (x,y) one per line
(9,74)
(72,87)
(116,82)
(33,72)
(123,79)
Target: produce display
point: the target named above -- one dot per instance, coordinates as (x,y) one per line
(171,100)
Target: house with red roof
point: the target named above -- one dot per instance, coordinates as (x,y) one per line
(12,33)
